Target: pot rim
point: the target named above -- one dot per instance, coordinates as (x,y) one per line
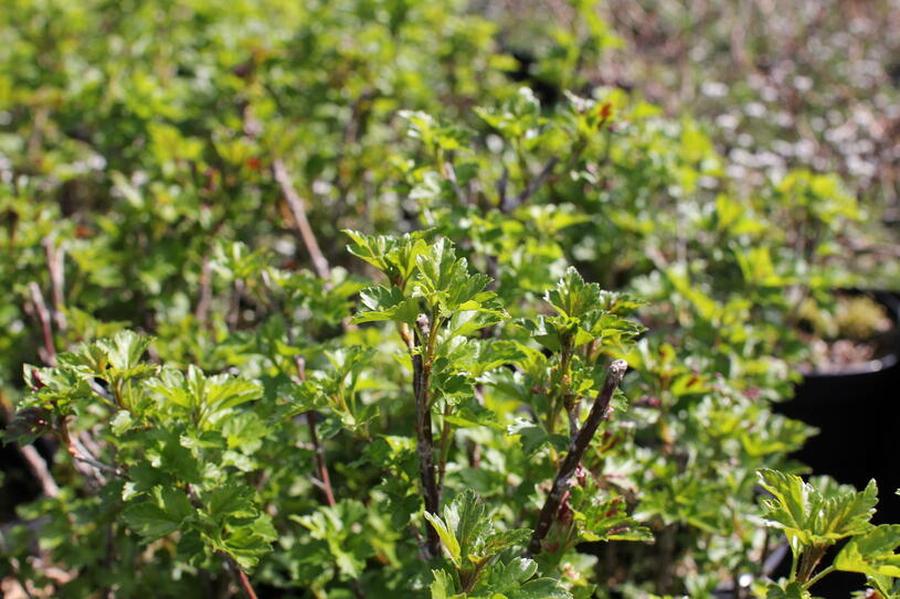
(889,300)
(868,367)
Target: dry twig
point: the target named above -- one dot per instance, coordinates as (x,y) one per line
(577,446)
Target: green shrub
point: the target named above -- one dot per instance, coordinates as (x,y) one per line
(441,409)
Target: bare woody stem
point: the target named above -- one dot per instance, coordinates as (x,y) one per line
(86,464)
(48,352)
(57,282)
(323,270)
(424,438)
(577,446)
(319,451)
(537,182)
(241,578)
(38,467)
(298,211)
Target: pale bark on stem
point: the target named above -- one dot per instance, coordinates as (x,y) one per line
(577,446)
(57,282)
(298,211)
(88,466)
(304,229)
(233,318)
(38,468)
(33,460)
(450,175)
(321,465)
(48,351)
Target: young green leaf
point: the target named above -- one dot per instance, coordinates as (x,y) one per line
(816,516)
(873,553)
(159,513)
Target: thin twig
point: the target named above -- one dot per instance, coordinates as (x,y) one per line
(321,465)
(241,578)
(233,317)
(38,467)
(577,446)
(82,457)
(57,282)
(48,351)
(298,210)
(324,478)
(450,175)
(536,183)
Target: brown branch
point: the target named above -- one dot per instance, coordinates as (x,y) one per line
(318,450)
(321,465)
(48,351)
(450,176)
(38,467)
(240,577)
(82,458)
(298,210)
(424,439)
(85,463)
(536,183)
(577,446)
(233,318)
(57,282)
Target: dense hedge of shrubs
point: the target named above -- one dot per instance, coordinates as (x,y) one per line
(348,299)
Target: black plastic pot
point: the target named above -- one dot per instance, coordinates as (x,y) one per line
(857,412)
